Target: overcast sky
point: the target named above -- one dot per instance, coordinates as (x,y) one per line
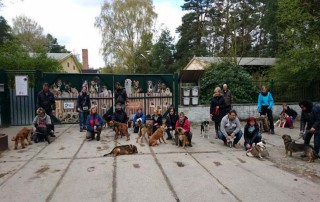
(72,21)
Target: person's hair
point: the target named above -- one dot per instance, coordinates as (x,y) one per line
(45,84)
(251,119)
(139,108)
(307,104)
(217,89)
(118,103)
(93,107)
(181,114)
(172,108)
(233,111)
(284,104)
(84,87)
(117,84)
(263,87)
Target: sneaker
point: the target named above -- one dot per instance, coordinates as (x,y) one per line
(237,146)
(81,129)
(169,138)
(272,132)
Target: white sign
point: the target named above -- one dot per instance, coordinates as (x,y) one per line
(68,105)
(21,85)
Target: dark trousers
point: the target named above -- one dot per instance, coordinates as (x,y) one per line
(227,108)
(308,137)
(42,134)
(83,118)
(264,111)
(168,132)
(236,139)
(217,124)
(251,141)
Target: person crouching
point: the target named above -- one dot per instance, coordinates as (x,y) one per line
(94,124)
(42,125)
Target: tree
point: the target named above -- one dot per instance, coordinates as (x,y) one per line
(239,82)
(5,31)
(122,23)
(30,33)
(53,46)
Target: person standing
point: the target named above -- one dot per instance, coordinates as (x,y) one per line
(83,106)
(228,98)
(310,123)
(94,124)
(265,104)
(171,121)
(217,109)
(120,95)
(46,100)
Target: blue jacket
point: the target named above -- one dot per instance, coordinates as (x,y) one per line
(265,101)
(93,120)
(139,115)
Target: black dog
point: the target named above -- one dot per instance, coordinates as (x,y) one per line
(107,118)
(204,127)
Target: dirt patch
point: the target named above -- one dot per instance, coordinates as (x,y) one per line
(241,161)
(42,170)
(56,170)
(3,174)
(61,148)
(98,147)
(180,164)
(91,169)
(22,150)
(217,163)
(136,165)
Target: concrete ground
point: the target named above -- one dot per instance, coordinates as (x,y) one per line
(73,169)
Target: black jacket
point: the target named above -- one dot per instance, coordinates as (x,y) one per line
(46,101)
(157,120)
(217,101)
(120,116)
(171,120)
(248,135)
(311,118)
(290,112)
(83,101)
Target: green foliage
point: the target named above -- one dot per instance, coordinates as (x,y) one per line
(53,46)
(239,82)
(14,57)
(5,31)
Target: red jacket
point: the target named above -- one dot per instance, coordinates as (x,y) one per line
(185,124)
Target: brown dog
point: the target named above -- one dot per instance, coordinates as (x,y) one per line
(123,149)
(291,147)
(264,125)
(145,128)
(121,128)
(23,134)
(182,138)
(157,135)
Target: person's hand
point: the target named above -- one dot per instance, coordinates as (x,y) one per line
(156,124)
(301,133)
(79,109)
(53,111)
(94,128)
(232,135)
(170,127)
(217,107)
(312,130)
(228,137)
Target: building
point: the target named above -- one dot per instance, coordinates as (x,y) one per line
(68,61)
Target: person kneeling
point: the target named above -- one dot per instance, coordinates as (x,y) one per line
(251,133)
(42,126)
(94,124)
(184,123)
(138,119)
(230,129)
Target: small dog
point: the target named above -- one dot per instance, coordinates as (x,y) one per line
(204,128)
(264,125)
(128,86)
(281,123)
(23,134)
(230,142)
(291,146)
(182,138)
(143,129)
(121,128)
(157,135)
(123,149)
(259,150)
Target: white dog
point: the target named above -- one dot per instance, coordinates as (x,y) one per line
(259,150)
(128,87)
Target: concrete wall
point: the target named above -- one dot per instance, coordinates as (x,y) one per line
(201,112)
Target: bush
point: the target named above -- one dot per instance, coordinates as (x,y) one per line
(238,80)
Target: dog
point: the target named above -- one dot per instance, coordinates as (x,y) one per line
(107,118)
(204,128)
(123,149)
(157,135)
(291,146)
(143,129)
(182,138)
(264,125)
(281,123)
(121,128)
(127,85)
(259,150)
(230,141)
(22,135)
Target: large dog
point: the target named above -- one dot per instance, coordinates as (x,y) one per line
(121,128)
(291,146)
(157,135)
(123,149)
(264,125)
(143,129)
(204,128)
(22,135)
(182,138)
(259,150)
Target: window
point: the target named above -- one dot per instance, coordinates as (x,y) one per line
(74,68)
(68,64)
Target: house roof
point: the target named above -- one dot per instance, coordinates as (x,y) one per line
(59,56)
(198,63)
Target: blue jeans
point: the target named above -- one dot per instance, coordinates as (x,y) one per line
(236,140)
(255,140)
(83,118)
(308,137)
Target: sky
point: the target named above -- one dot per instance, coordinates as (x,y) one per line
(72,21)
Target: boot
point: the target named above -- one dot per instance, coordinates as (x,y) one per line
(216,136)
(272,132)
(92,136)
(98,137)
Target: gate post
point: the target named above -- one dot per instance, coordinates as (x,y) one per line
(176,91)
(4,100)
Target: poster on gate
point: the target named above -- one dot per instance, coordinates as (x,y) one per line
(21,85)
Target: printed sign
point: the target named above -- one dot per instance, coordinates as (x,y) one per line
(68,105)
(21,85)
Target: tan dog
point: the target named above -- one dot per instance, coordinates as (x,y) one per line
(259,150)
(182,138)
(121,128)
(123,149)
(157,135)
(23,134)
(145,128)
(264,125)
(291,146)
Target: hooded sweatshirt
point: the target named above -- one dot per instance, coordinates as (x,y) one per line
(185,124)
(227,126)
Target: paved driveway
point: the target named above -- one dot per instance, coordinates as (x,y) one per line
(73,169)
